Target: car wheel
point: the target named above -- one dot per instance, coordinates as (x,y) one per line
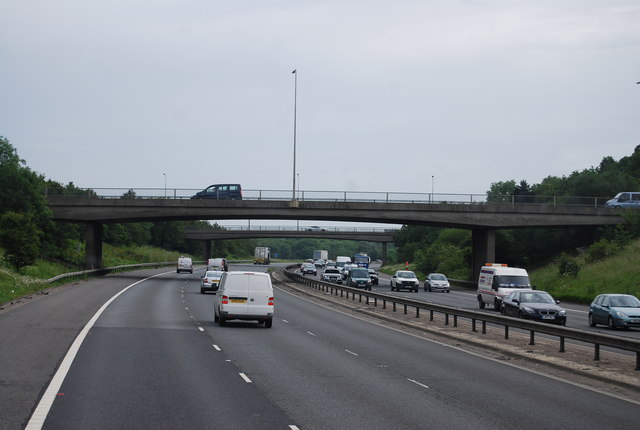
(520,314)
(480,303)
(215,317)
(592,322)
(222,320)
(415,290)
(448,291)
(610,324)
(201,290)
(268,323)
(496,305)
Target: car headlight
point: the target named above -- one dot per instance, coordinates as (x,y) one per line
(562,312)
(621,314)
(527,310)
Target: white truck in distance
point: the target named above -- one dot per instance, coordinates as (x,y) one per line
(262,255)
(496,281)
(321,254)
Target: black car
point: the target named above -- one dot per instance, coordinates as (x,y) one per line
(534,305)
(220,192)
(308,269)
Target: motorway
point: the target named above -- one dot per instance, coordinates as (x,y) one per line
(466,299)
(155,359)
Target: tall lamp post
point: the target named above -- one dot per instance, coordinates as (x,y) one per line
(295,102)
(165,184)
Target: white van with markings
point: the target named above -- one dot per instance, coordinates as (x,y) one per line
(244,296)
(496,281)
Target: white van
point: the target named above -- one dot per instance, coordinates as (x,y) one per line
(244,296)
(342,260)
(217,264)
(626,199)
(184,265)
(497,280)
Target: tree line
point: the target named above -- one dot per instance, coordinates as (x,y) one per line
(448,251)
(28,232)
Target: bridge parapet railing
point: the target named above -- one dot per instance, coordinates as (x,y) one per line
(337,196)
(452,314)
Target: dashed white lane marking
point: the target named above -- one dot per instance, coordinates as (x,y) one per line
(311,333)
(285,321)
(351,352)
(246,378)
(216,347)
(417,383)
(44,406)
(292,427)
(200,328)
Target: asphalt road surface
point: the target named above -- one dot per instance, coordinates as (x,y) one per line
(155,359)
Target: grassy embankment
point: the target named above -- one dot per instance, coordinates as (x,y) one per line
(617,274)
(31,279)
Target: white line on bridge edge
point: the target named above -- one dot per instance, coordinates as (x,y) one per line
(246,378)
(417,383)
(44,406)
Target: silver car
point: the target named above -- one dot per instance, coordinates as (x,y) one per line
(436,281)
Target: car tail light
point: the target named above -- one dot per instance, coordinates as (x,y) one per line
(225,300)
(270,303)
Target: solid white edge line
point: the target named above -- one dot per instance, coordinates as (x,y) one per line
(246,378)
(44,406)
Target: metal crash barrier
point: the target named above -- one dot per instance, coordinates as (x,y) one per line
(562,333)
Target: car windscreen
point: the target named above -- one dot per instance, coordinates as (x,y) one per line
(624,302)
(406,275)
(512,281)
(536,298)
(359,273)
(438,278)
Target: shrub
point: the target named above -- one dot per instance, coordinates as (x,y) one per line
(601,250)
(568,267)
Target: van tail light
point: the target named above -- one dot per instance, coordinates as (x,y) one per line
(270,303)
(225,300)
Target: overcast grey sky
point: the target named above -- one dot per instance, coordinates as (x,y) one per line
(390,93)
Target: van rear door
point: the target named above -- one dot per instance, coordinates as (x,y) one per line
(260,295)
(236,295)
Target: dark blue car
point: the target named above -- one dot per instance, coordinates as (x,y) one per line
(220,192)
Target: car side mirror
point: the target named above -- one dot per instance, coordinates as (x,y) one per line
(516,301)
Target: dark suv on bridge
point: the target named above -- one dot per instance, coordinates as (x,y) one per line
(220,192)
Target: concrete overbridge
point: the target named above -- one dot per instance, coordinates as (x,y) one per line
(483,219)
(362,235)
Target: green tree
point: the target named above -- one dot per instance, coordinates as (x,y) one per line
(20,238)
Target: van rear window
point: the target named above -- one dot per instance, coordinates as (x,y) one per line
(259,283)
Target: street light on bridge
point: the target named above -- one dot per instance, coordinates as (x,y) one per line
(295,102)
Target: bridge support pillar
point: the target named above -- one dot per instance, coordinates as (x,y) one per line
(384,252)
(484,249)
(207,250)
(93,245)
